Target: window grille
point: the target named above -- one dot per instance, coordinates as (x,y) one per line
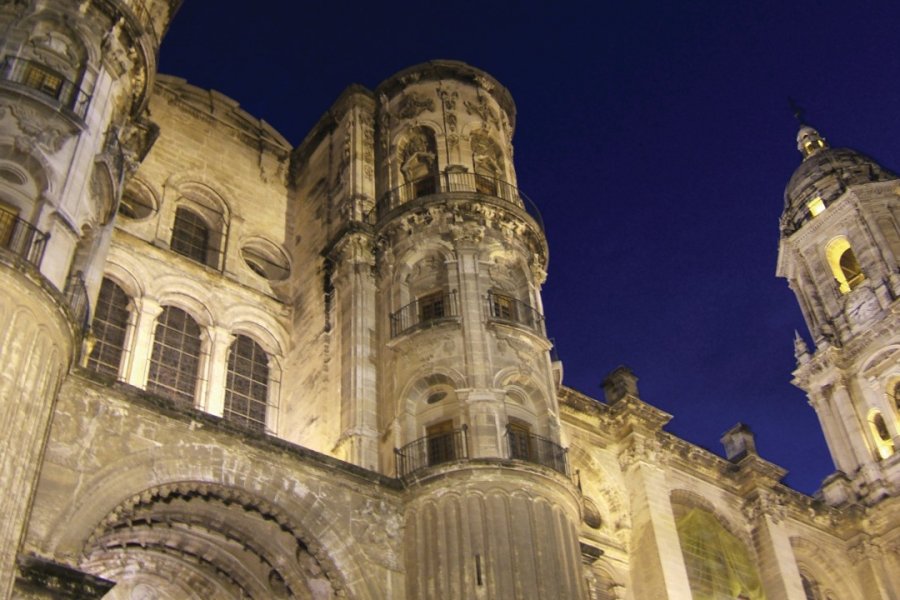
(175,362)
(247,384)
(109,327)
(190,236)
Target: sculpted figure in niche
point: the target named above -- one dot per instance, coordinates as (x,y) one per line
(487,161)
(418,161)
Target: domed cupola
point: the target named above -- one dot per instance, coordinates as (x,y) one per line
(823,177)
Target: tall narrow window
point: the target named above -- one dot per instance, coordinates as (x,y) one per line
(519,434)
(441,442)
(109,327)
(175,362)
(247,384)
(433,306)
(191,236)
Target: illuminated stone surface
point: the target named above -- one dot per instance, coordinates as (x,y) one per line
(417,440)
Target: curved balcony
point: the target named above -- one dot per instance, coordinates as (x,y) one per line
(424,312)
(524,445)
(22,238)
(501,192)
(432,450)
(48,83)
(507,309)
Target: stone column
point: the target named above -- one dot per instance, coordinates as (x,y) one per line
(835,436)
(869,560)
(354,283)
(482,406)
(843,404)
(148,310)
(36,347)
(657,564)
(777,566)
(220,342)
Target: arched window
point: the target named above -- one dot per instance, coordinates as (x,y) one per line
(895,395)
(109,327)
(884,445)
(191,237)
(175,361)
(844,265)
(718,563)
(247,384)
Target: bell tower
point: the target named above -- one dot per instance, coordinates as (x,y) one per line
(467,398)
(840,252)
(74,81)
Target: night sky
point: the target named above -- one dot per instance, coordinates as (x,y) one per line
(655,138)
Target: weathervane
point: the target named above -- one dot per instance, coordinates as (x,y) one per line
(799,111)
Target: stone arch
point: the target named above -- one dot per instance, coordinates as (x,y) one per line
(535,405)
(598,485)
(417,162)
(260,325)
(32,183)
(185,296)
(117,504)
(488,161)
(124,278)
(719,556)
(58,45)
(815,560)
(418,407)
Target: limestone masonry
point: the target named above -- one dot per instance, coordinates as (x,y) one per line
(233,368)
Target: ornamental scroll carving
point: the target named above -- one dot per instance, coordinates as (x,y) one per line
(412,104)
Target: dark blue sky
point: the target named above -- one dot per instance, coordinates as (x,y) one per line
(656,139)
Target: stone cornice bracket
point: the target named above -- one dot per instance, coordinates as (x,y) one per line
(761,503)
(467,235)
(627,409)
(354,248)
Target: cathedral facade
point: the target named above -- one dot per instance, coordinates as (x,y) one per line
(234,368)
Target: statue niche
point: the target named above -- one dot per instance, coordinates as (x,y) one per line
(487,161)
(418,162)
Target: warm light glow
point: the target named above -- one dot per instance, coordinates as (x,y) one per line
(844,265)
(816,206)
(884,445)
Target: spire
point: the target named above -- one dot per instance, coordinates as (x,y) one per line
(801,351)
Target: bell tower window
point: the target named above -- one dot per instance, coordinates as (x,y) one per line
(884,445)
(844,265)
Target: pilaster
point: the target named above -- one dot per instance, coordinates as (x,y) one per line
(147,310)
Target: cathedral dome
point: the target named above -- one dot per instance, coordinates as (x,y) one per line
(822,177)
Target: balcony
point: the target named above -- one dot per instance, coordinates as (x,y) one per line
(47,82)
(510,310)
(524,445)
(21,238)
(425,311)
(432,450)
(500,191)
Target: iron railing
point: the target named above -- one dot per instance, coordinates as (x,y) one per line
(423,311)
(22,238)
(506,308)
(502,191)
(77,299)
(41,78)
(524,445)
(432,450)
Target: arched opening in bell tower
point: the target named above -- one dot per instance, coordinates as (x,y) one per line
(844,265)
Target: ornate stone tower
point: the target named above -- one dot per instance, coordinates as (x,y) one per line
(74,80)
(840,251)
(467,398)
